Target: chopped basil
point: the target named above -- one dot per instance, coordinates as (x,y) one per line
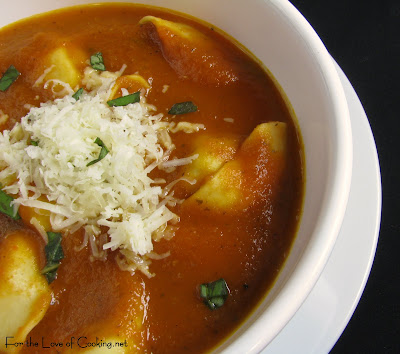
(183,108)
(53,249)
(54,254)
(6,207)
(34,143)
(214,294)
(103,152)
(125,100)
(8,78)
(97,62)
(78,94)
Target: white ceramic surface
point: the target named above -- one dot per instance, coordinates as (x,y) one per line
(284,41)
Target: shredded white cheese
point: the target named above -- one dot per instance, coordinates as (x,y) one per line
(41,78)
(115,192)
(185,127)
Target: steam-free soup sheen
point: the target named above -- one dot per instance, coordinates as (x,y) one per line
(245,242)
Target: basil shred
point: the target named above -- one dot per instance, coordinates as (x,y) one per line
(77,94)
(97,62)
(54,254)
(6,206)
(125,100)
(183,108)
(10,75)
(103,152)
(214,294)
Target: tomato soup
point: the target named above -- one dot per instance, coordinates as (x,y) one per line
(236,218)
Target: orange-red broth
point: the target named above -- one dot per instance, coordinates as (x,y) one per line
(247,249)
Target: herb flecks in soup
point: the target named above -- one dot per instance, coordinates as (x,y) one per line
(151,181)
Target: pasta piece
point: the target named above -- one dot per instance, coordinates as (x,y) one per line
(63,66)
(39,219)
(131,83)
(189,52)
(222,191)
(251,177)
(24,293)
(212,153)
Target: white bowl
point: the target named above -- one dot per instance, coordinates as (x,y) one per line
(276,33)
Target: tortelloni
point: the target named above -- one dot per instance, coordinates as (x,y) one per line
(24,292)
(65,68)
(61,66)
(190,52)
(129,84)
(237,184)
(213,152)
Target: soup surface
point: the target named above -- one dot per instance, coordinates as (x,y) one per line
(237,216)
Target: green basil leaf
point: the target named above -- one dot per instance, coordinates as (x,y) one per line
(6,207)
(214,294)
(97,62)
(34,143)
(51,267)
(183,108)
(204,291)
(125,100)
(51,276)
(53,249)
(54,254)
(103,152)
(8,78)
(78,94)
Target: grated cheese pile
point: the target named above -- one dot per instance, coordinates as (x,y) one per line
(116,192)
